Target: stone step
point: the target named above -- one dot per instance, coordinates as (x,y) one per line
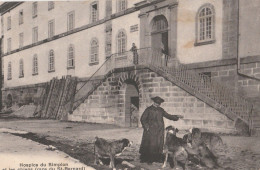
(255,132)
(255,118)
(256,123)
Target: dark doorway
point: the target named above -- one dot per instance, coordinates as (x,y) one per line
(9,101)
(131,104)
(165,42)
(134,114)
(160,33)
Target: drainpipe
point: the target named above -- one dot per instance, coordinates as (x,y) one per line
(250,126)
(238,44)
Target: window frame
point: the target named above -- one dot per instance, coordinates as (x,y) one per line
(21,68)
(34,9)
(20,17)
(71,46)
(119,5)
(92,20)
(35,65)
(21,40)
(49,28)
(35,35)
(51,5)
(9,23)
(68,20)
(119,40)
(9,45)
(51,62)
(9,71)
(94,52)
(212,16)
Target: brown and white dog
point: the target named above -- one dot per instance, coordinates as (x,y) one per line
(174,147)
(104,148)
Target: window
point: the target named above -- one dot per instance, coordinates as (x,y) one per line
(34,9)
(20,40)
(9,71)
(9,45)
(121,42)
(50,5)
(94,52)
(51,28)
(71,21)
(51,61)
(122,5)
(21,70)
(35,35)
(205,24)
(94,12)
(9,23)
(20,17)
(71,62)
(35,65)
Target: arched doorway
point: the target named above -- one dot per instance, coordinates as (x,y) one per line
(131,104)
(159,33)
(9,101)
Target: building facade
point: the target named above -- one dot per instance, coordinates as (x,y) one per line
(42,40)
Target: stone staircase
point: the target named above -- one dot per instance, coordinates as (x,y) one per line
(221,97)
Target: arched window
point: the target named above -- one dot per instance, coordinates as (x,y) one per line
(121,5)
(21,69)
(121,42)
(205,24)
(159,24)
(51,61)
(35,64)
(9,71)
(94,51)
(71,53)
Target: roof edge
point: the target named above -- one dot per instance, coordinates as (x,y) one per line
(7,6)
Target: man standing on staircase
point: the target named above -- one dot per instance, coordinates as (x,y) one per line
(135,54)
(151,148)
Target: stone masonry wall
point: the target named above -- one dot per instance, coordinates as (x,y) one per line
(230,21)
(106,104)
(227,74)
(23,94)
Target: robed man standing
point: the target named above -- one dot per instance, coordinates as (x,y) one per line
(153,135)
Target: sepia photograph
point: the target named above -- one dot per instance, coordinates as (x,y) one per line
(130,85)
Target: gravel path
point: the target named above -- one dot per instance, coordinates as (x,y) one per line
(76,139)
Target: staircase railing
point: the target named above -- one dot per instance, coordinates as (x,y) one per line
(117,60)
(218,95)
(221,96)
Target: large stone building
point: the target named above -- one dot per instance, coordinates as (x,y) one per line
(210,47)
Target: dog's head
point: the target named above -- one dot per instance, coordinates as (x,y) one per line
(187,138)
(172,130)
(196,133)
(126,142)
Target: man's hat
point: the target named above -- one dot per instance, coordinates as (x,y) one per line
(157,100)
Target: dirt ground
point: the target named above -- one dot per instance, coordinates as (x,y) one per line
(76,139)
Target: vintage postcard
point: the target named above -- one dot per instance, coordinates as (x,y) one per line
(130,84)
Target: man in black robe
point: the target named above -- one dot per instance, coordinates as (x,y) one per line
(151,148)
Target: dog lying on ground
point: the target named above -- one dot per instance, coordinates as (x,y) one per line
(212,140)
(174,147)
(104,148)
(206,157)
